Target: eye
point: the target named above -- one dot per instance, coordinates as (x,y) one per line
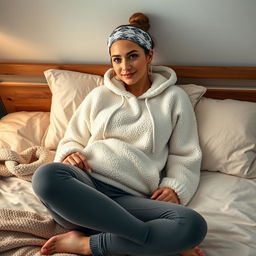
(117,60)
(133,56)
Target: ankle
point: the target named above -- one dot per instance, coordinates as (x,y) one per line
(86,245)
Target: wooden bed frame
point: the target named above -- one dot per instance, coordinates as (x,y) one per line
(35,96)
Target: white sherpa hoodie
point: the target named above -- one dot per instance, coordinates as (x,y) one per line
(138,144)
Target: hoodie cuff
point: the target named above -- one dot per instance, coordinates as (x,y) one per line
(60,156)
(180,189)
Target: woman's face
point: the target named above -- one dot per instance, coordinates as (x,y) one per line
(130,62)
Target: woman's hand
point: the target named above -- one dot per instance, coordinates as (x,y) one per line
(165,194)
(79,160)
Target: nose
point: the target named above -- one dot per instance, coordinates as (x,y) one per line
(126,66)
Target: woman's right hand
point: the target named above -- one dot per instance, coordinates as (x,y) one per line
(79,160)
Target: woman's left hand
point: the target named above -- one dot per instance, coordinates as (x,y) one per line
(165,194)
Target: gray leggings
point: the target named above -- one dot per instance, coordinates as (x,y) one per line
(116,221)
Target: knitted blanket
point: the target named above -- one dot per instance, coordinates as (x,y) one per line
(24,164)
(23,232)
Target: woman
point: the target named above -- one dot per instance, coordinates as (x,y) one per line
(129,158)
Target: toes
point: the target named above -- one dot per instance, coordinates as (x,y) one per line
(197,251)
(48,251)
(48,247)
(200,251)
(44,251)
(50,242)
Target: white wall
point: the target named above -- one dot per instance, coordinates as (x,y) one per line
(187,32)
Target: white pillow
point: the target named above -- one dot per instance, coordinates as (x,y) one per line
(195,92)
(21,130)
(227,134)
(68,89)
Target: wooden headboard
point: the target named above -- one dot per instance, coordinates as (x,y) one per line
(22,95)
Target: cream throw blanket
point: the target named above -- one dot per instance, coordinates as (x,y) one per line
(24,164)
(22,233)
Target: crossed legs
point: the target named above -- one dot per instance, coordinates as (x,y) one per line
(123,224)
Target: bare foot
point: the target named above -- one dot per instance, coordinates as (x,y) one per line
(70,242)
(197,251)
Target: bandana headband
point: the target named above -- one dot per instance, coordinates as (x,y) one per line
(131,33)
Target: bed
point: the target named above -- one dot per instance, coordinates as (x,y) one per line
(36,102)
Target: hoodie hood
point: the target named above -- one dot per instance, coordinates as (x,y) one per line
(162,77)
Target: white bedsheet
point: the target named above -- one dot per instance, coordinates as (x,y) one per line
(228,204)
(18,194)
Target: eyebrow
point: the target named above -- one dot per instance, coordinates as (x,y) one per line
(126,53)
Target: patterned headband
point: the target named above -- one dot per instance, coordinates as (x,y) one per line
(131,33)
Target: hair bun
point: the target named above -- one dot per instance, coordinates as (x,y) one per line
(140,20)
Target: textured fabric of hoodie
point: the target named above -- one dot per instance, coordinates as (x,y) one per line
(138,144)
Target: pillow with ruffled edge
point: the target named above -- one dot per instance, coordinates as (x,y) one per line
(227,135)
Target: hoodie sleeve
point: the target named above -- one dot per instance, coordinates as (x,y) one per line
(184,159)
(77,133)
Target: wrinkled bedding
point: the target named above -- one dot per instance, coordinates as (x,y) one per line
(21,130)
(227,202)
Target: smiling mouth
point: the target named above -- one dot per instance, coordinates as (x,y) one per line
(129,75)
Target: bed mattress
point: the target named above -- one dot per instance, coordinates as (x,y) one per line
(226,202)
